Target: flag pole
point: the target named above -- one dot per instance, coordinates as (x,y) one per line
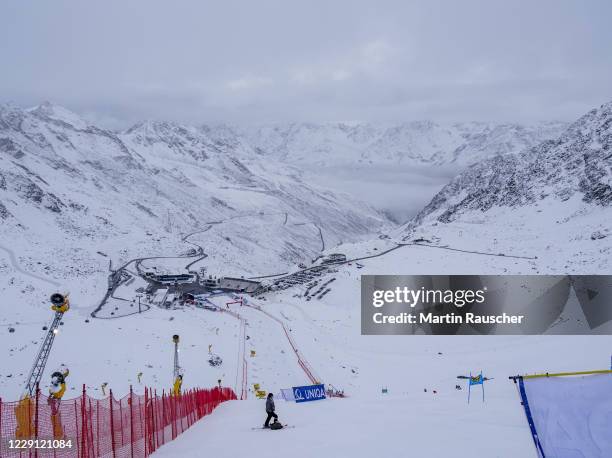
(469,387)
(482,381)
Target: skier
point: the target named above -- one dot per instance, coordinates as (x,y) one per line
(270,410)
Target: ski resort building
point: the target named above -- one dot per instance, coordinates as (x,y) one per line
(241,285)
(171,279)
(334,258)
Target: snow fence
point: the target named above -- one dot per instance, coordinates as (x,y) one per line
(569,415)
(133,426)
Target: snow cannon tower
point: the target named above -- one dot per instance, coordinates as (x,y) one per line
(56,392)
(24,411)
(178,371)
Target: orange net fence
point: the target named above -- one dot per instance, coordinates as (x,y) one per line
(133,426)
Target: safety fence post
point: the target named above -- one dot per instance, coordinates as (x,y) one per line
(153,422)
(177,414)
(193,408)
(148,422)
(121,420)
(143,424)
(145,434)
(90,441)
(112,425)
(76,428)
(156,418)
(83,424)
(131,403)
(164,422)
(97,427)
(36,418)
(172,399)
(174,415)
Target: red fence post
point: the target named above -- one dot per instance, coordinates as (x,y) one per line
(76,428)
(164,422)
(153,428)
(36,418)
(83,424)
(131,402)
(173,414)
(97,427)
(90,441)
(156,420)
(112,426)
(146,424)
(192,418)
(121,420)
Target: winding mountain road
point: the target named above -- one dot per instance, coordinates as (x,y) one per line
(18,268)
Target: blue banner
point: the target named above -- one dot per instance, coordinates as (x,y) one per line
(309,393)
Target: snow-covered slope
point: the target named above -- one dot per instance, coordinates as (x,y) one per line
(78,176)
(556,196)
(69,189)
(578,161)
(397,167)
(413,143)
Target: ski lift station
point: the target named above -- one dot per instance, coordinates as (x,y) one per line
(171,279)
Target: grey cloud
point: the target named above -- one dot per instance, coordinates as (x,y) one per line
(252,62)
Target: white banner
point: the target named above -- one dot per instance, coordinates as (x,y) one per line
(572,415)
(287,394)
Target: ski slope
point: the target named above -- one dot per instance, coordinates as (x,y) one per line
(392,427)
(327,334)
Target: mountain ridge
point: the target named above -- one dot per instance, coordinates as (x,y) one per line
(578,161)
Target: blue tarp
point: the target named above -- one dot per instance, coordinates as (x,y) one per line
(569,416)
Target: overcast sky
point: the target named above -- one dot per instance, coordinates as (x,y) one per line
(259,61)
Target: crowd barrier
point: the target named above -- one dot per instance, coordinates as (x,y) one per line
(133,426)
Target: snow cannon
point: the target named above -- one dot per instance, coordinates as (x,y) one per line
(56,392)
(58,382)
(59,302)
(178,382)
(178,371)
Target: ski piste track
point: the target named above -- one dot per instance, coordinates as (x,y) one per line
(302,362)
(241,382)
(18,268)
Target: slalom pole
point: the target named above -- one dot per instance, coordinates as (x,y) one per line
(482,379)
(469,387)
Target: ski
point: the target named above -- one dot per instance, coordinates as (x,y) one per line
(261,428)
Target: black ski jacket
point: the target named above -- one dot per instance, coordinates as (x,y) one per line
(269,405)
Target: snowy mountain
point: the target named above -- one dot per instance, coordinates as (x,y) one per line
(553,200)
(414,143)
(71,189)
(396,167)
(579,162)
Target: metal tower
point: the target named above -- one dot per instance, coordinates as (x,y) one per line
(60,306)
